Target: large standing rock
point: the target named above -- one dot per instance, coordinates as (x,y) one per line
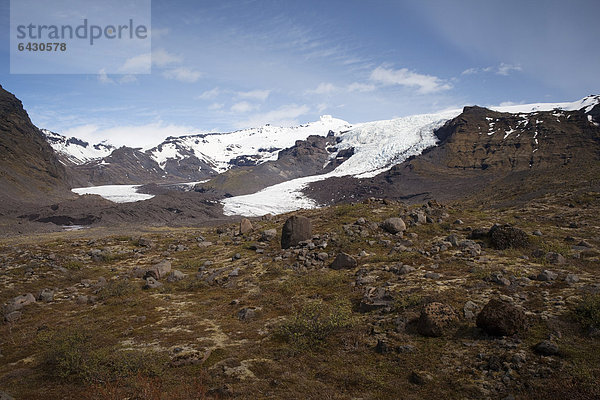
(435,318)
(501,318)
(506,236)
(393,225)
(245,226)
(159,271)
(344,261)
(296,229)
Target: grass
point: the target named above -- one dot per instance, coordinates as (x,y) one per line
(75,354)
(588,312)
(311,326)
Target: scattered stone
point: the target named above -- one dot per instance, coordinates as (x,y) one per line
(344,261)
(470,309)
(144,242)
(453,240)
(571,279)
(418,217)
(46,295)
(538,233)
(375,298)
(405,269)
(407,348)
(295,230)
(268,235)
(505,236)
(546,348)
(204,244)
(13,316)
(175,276)
(18,303)
(555,258)
(546,275)
(458,222)
(322,256)
(152,283)
(432,275)
(234,273)
(393,225)
(435,319)
(420,377)
(501,318)
(382,347)
(245,226)
(248,313)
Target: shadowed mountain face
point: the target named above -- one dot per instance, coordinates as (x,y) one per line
(29,168)
(489,157)
(312,156)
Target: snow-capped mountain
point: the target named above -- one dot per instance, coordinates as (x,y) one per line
(186,158)
(76,151)
(244,147)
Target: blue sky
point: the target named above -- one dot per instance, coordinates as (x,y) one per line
(225,65)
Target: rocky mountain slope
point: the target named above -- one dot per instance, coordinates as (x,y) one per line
(29,168)
(489,155)
(186,158)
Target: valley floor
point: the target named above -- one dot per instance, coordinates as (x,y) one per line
(243,318)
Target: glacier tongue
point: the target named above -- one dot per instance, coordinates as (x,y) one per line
(377,146)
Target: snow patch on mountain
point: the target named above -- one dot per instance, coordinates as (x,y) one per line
(76,150)
(115,193)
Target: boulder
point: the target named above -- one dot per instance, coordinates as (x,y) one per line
(501,318)
(296,229)
(151,283)
(506,236)
(555,258)
(245,226)
(546,348)
(268,235)
(159,271)
(393,225)
(344,261)
(435,319)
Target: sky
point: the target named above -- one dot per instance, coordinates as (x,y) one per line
(219,66)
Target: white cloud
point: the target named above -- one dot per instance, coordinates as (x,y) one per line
(146,136)
(506,69)
(136,64)
(255,94)
(423,83)
(209,94)
(284,116)
(216,106)
(142,62)
(470,71)
(502,69)
(242,107)
(361,87)
(103,77)
(321,107)
(162,58)
(183,74)
(323,88)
